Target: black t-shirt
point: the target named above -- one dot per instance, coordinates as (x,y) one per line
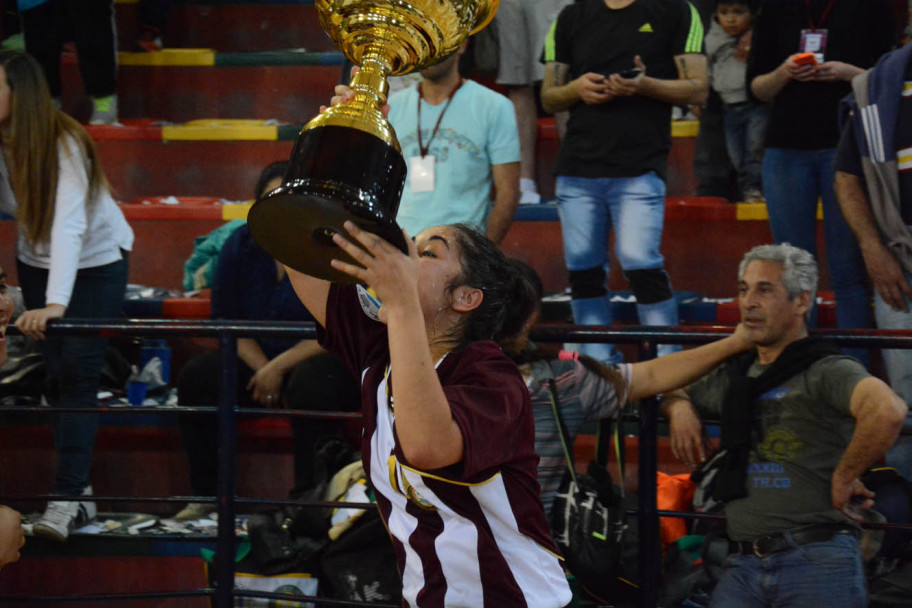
(848,156)
(629,136)
(804,115)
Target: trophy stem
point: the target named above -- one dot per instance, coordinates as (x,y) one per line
(369,84)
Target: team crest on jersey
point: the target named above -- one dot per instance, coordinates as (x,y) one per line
(412,494)
(405,488)
(370,303)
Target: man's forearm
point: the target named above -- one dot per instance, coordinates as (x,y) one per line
(879,416)
(855,207)
(557,94)
(506,200)
(689,91)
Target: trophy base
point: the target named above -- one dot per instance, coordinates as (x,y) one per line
(296,229)
(336,174)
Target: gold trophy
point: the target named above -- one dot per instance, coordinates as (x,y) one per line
(347,164)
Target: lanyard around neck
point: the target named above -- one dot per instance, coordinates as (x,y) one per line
(823,16)
(421,147)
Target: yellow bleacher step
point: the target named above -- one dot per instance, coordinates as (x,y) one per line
(221,129)
(168,57)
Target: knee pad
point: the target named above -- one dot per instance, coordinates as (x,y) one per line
(588,283)
(650,285)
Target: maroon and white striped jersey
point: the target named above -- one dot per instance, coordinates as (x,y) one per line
(474,533)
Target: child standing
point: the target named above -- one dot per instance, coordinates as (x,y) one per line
(745,119)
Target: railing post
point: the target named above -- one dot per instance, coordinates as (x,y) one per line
(227,460)
(650,557)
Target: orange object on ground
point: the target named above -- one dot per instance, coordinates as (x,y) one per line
(673,493)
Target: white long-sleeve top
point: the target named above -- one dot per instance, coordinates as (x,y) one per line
(82,235)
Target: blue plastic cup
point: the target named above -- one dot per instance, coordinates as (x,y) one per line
(136,392)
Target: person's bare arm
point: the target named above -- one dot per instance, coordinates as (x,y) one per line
(688,443)
(683,367)
(506,200)
(312,292)
(12,537)
(766,87)
(883,268)
(557,94)
(879,415)
(691,87)
(266,383)
(429,436)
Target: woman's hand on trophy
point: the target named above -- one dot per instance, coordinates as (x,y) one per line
(344,94)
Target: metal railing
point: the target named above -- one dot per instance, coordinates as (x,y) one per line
(227,333)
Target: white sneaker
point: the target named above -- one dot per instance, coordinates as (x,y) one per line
(63,516)
(194,511)
(528,192)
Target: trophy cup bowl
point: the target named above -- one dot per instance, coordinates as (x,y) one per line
(347,163)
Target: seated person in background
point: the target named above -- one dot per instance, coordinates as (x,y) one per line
(589,390)
(200,267)
(800,423)
(12,538)
(251,286)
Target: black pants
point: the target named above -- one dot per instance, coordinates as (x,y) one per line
(74,363)
(90,25)
(154,13)
(319,383)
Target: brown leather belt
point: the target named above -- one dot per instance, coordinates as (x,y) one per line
(781,541)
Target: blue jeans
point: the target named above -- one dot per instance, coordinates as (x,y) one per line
(827,574)
(793,180)
(74,363)
(899,370)
(745,134)
(635,207)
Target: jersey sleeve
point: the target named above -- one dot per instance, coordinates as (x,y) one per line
(687,35)
(557,42)
(349,332)
(490,403)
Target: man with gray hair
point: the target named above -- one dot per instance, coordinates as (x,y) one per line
(800,423)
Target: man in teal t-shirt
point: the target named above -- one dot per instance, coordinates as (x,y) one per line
(467,144)
(806,422)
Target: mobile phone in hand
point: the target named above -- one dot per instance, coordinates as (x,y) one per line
(630,73)
(805,59)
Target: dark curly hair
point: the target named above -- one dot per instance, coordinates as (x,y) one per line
(277,169)
(505,291)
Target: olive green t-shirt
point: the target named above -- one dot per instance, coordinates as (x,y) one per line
(801,429)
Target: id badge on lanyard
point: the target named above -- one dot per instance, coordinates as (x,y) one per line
(421,173)
(814,37)
(422,167)
(814,41)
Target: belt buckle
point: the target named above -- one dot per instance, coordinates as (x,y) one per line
(756,546)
